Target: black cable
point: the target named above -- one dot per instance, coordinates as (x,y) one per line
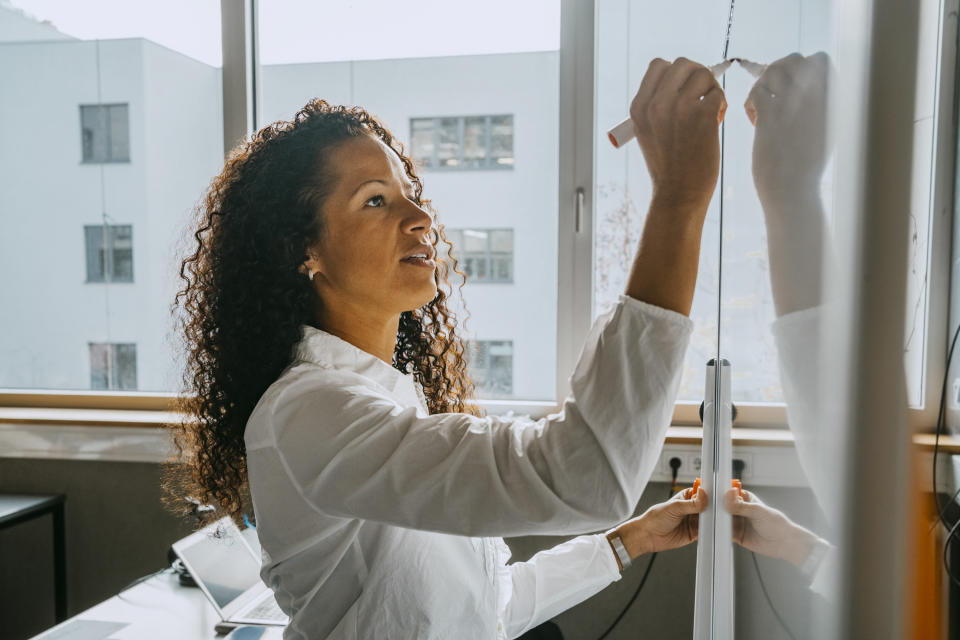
(941,516)
(675,469)
(946,553)
(636,593)
(763,587)
(933,525)
(941,414)
(141,580)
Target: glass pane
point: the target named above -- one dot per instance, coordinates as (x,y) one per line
(475,241)
(501,140)
(774,205)
(94,132)
(421,140)
(448,142)
(122,252)
(628,36)
(501,241)
(100,366)
(96,253)
(492,368)
(130,98)
(125,367)
(474,142)
(119,136)
(502,268)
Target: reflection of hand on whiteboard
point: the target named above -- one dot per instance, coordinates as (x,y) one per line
(624,133)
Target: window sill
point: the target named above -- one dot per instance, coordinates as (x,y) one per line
(135,432)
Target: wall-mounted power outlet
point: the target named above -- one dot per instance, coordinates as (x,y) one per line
(955,394)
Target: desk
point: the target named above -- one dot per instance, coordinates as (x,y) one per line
(156,609)
(17,508)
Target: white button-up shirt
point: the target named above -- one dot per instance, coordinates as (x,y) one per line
(378,520)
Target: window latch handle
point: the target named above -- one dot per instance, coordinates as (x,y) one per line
(579,209)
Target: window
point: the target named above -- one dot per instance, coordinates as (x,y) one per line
(109,253)
(105,133)
(467,142)
(485,255)
(113,366)
(491,365)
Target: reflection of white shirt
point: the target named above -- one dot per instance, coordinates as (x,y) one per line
(817,438)
(378,520)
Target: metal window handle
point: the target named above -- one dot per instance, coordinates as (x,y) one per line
(579,207)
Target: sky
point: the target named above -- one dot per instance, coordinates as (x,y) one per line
(318,31)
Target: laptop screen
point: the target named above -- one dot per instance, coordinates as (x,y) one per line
(223,562)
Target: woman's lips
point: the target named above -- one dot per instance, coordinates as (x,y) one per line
(425,263)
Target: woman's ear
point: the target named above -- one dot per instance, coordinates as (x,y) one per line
(310,267)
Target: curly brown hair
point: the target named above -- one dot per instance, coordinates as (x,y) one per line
(240,311)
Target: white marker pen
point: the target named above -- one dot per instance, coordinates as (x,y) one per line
(623,132)
(753,68)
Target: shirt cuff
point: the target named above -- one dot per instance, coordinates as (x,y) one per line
(611,568)
(660,313)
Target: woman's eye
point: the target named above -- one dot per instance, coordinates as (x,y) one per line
(374,198)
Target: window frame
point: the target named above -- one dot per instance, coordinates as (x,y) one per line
(576,185)
(944,183)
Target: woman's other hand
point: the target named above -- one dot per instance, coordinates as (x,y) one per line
(664,526)
(676,115)
(788,108)
(766,530)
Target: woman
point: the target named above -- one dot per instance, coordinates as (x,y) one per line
(326,364)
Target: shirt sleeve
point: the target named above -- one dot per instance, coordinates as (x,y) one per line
(822,571)
(798,341)
(355,453)
(554,580)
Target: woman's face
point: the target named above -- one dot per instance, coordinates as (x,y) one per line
(373,233)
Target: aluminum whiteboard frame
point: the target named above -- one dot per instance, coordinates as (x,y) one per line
(874,155)
(713,609)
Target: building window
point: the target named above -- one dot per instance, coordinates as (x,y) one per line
(491,366)
(464,142)
(113,366)
(105,132)
(109,253)
(485,255)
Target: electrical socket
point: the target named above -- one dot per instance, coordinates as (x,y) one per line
(747,464)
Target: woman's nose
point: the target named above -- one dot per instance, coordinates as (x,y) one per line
(419,220)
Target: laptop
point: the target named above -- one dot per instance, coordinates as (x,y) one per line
(227,570)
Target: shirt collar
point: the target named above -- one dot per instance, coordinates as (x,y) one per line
(330,352)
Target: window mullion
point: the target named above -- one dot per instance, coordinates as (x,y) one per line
(487,156)
(576,168)
(461,122)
